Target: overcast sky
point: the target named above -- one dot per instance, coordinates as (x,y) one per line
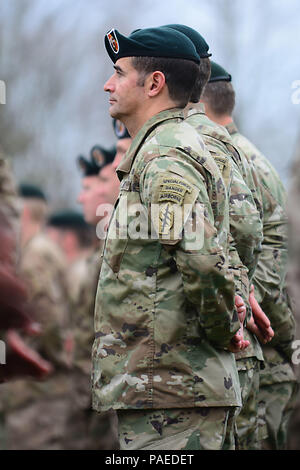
(257,42)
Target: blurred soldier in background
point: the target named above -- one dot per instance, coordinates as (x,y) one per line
(72,234)
(90,195)
(10,206)
(15,312)
(87,430)
(277,379)
(123,143)
(36,412)
(76,239)
(294,285)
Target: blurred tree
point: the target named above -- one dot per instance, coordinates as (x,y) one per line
(54,64)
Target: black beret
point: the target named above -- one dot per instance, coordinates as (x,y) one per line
(150,42)
(218,74)
(120,130)
(196,38)
(67,219)
(99,157)
(31,191)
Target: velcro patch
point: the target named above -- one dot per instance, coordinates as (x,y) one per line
(173,190)
(166,218)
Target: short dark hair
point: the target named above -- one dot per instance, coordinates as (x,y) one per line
(180,74)
(85,236)
(202,79)
(220,97)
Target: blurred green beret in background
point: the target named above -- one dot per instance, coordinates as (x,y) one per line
(218,74)
(67,219)
(120,130)
(28,190)
(99,157)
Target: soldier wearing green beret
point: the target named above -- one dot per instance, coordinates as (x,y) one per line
(277,380)
(69,230)
(245,227)
(72,233)
(99,187)
(164,314)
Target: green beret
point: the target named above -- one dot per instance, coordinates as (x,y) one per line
(150,42)
(120,130)
(67,219)
(31,191)
(99,157)
(218,74)
(196,38)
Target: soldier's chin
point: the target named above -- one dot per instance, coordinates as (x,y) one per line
(114,112)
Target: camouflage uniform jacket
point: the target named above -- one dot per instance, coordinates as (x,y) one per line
(270,275)
(42,266)
(83,277)
(245,220)
(82,295)
(164,311)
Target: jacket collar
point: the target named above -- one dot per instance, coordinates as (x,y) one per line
(127,161)
(194,108)
(231,128)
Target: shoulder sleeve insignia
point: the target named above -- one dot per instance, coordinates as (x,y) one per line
(173,190)
(166,218)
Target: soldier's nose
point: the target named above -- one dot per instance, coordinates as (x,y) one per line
(108,86)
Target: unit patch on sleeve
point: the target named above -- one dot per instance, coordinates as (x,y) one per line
(173,190)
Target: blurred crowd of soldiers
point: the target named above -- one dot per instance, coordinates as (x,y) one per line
(50,264)
(55,261)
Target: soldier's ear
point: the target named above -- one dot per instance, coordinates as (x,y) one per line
(156,84)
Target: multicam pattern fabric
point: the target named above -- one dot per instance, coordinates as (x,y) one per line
(177,429)
(43,268)
(32,406)
(270,280)
(278,401)
(244,217)
(247,420)
(164,311)
(270,274)
(82,295)
(86,429)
